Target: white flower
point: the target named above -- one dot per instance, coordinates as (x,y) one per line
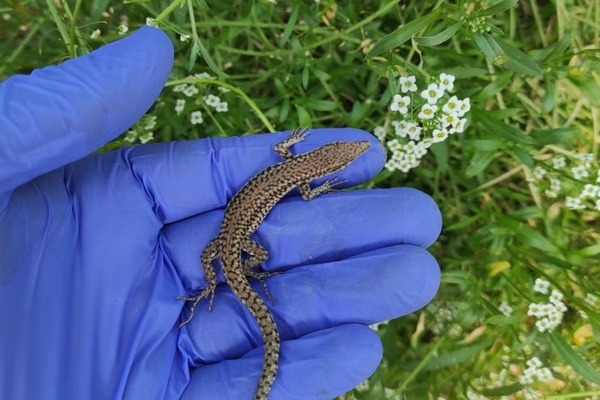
(151,22)
(212,100)
(146,137)
(451,106)
(122,29)
(590,190)
(203,75)
(505,308)
(390,165)
(432,93)
(541,286)
(407,84)
(591,299)
(544,374)
(534,363)
(425,143)
(394,145)
(534,310)
(458,126)
(95,34)
(559,162)
(597,206)
(184,37)
(555,184)
(447,82)
(400,104)
(179,105)
(526,380)
(448,120)
(543,324)
(439,135)
(464,106)
(580,172)
(398,155)
(222,107)
(379,133)
(400,128)
(179,88)
(190,90)
(196,117)
(420,151)
(409,147)
(539,172)
(428,111)
(551,194)
(573,203)
(556,297)
(413,130)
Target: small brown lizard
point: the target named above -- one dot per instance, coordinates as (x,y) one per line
(243,215)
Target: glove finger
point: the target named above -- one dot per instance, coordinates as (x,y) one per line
(368,288)
(320,365)
(188,178)
(327,228)
(61,113)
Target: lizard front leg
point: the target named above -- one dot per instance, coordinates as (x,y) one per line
(296,136)
(256,255)
(210,253)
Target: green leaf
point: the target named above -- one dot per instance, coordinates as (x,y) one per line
(589,88)
(500,129)
(487,144)
(502,390)
(564,136)
(503,320)
(403,34)
(559,48)
(518,61)
(464,354)
(289,27)
(446,34)
(524,156)
(479,162)
(571,357)
(304,119)
(498,7)
(490,48)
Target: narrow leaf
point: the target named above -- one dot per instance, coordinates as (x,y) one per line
(402,34)
(446,34)
(571,357)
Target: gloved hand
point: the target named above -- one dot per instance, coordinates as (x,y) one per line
(95,249)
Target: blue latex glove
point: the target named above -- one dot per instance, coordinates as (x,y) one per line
(94,250)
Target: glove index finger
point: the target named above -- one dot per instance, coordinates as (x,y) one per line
(61,113)
(189,178)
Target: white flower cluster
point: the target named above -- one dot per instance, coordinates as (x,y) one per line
(428,117)
(142,131)
(443,316)
(535,371)
(190,90)
(549,315)
(580,192)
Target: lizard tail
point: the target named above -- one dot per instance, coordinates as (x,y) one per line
(242,289)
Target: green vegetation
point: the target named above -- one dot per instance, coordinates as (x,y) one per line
(517,314)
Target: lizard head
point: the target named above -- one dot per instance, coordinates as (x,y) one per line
(339,154)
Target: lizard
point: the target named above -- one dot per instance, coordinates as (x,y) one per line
(243,215)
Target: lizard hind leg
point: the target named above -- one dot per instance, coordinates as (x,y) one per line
(209,254)
(256,255)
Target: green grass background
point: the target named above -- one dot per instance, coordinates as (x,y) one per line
(529,67)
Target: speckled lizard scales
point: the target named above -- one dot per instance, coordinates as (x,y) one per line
(244,214)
